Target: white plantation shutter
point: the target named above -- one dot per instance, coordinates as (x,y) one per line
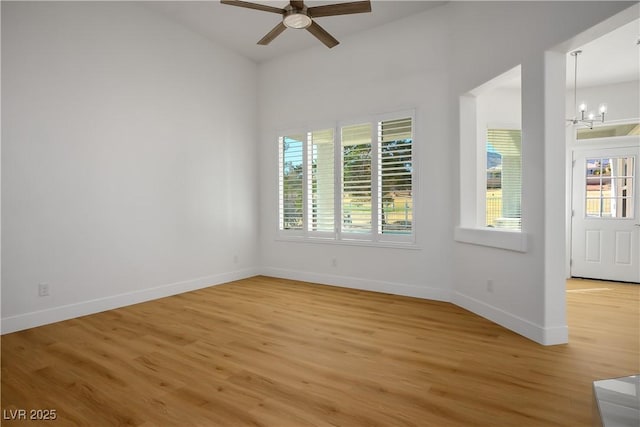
(356,178)
(291,150)
(321,182)
(507,143)
(353,182)
(395,180)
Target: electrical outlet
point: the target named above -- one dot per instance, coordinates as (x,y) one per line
(43,289)
(334,262)
(490,285)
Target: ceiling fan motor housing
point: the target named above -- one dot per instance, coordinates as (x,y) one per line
(296,18)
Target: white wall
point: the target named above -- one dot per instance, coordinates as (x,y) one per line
(395,67)
(500,107)
(488,39)
(128,167)
(622,99)
(122,132)
(0,178)
(426,62)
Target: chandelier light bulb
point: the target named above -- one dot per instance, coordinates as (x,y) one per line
(591,116)
(583,107)
(603,108)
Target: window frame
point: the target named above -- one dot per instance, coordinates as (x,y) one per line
(339,236)
(472,228)
(482,217)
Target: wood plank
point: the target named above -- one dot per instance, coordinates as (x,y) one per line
(274,352)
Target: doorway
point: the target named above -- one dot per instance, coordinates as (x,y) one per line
(605,221)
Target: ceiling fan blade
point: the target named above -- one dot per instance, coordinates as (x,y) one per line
(322,35)
(339,9)
(255,6)
(277,30)
(297,4)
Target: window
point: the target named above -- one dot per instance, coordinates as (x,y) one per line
(491,140)
(354,182)
(356,179)
(491,164)
(291,179)
(609,192)
(609,131)
(504,178)
(396,175)
(321,181)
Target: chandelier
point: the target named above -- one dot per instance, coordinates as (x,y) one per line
(584,118)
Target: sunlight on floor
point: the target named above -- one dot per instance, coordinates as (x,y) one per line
(589,290)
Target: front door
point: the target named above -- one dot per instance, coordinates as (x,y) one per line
(605,238)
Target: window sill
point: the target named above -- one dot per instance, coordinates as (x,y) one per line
(348,242)
(502,239)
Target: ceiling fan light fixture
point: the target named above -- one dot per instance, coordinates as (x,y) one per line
(296,20)
(298,16)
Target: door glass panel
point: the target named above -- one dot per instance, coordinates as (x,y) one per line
(609,187)
(593,208)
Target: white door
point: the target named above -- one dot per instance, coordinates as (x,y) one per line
(605,231)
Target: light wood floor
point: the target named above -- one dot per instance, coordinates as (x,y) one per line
(270,352)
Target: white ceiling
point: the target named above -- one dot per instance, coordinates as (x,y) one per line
(612,58)
(240,28)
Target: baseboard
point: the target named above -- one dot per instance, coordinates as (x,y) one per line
(425,292)
(537,333)
(530,330)
(70,311)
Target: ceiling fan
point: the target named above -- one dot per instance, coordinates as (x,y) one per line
(297,15)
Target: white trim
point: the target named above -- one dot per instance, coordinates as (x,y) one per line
(530,330)
(404,244)
(403,289)
(493,238)
(71,311)
(604,142)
